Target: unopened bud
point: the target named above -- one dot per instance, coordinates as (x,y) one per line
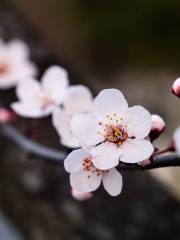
(81,196)
(176,140)
(158,126)
(6,116)
(176,88)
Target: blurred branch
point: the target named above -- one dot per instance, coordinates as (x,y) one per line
(12,134)
(56,156)
(7,230)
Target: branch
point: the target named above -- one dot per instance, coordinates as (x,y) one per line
(56,156)
(161,161)
(12,134)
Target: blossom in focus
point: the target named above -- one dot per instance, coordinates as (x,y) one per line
(80,196)
(78,99)
(113,132)
(177,140)
(176,87)
(15,63)
(158,126)
(39,99)
(85,177)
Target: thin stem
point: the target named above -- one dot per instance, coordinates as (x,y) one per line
(57,157)
(169,148)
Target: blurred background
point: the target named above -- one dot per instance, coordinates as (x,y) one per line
(133,46)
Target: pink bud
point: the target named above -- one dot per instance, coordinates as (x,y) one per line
(6,116)
(81,196)
(176,87)
(158,126)
(176,139)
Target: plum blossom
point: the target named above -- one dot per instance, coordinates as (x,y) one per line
(14,63)
(78,99)
(39,99)
(177,140)
(113,132)
(85,177)
(176,87)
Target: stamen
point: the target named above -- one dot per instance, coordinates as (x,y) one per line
(89,167)
(116,134)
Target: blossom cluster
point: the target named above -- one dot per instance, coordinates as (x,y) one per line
(103,131)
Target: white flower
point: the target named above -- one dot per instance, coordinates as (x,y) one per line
(113,131)
(177,140)
(78,99)
(14,63)
(39,99)
(85,177)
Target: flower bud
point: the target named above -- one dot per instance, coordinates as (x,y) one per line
(176,87)
(6,116)
(81,196)
(176,140)
(158,126)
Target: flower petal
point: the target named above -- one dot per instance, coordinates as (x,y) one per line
(105,156)
(112,182)
(7,82)
(18,49)
(108,102)
(78,99)
(18,53)
(85,181)
(177,139)
(136,150)
(30,110)
(15,54)
(55,81)
(138,121)
(28,90)
(86,128)
(74,161)
(61,121)
(79,196)
(22,69)
(70,142)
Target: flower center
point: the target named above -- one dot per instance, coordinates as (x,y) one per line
(45,102)
(116,134)
(113,129)
(3,68)
(90,168)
